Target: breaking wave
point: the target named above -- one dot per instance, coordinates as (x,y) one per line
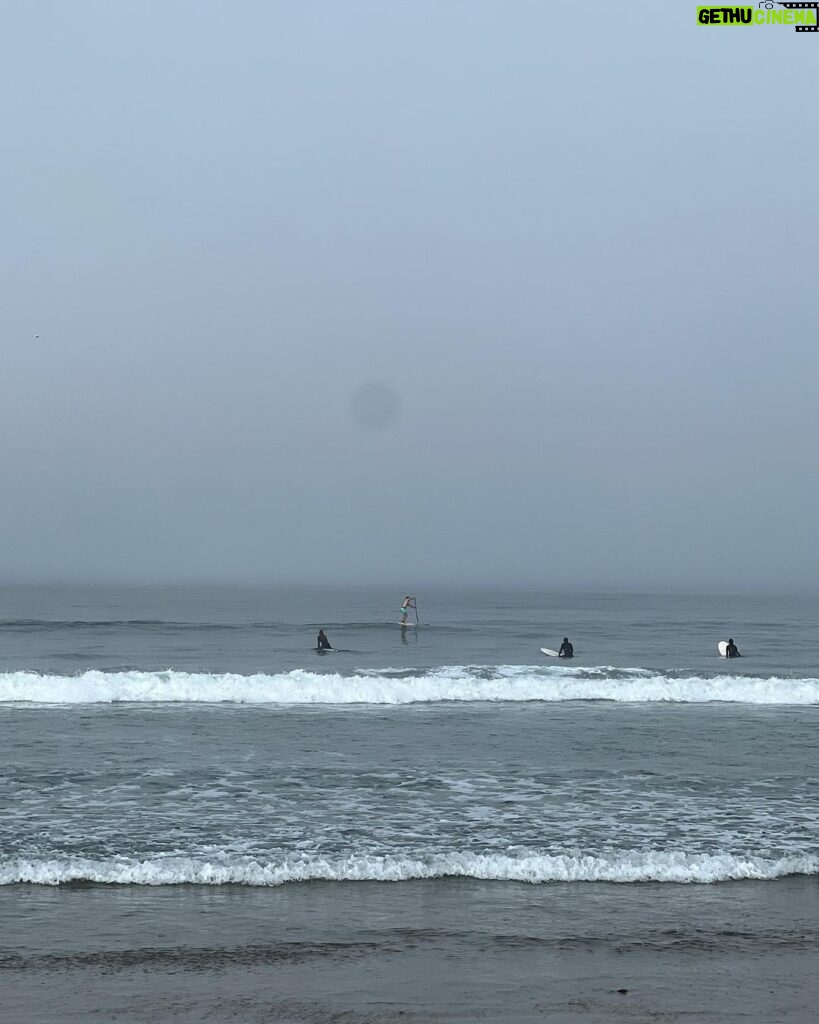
(535,868)
(392,686)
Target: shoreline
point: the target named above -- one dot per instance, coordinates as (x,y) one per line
(425,951)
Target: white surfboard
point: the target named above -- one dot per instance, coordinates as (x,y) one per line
(549,652)
(413,624)
(722,647)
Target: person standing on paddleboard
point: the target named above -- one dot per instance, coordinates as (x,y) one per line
(409,602)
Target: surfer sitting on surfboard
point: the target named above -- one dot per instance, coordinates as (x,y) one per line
(409,602)
(732,651)
(566,649)
(322,643)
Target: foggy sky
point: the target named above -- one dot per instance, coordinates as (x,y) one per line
(406,292)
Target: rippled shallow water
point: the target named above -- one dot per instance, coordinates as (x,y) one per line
(530,792)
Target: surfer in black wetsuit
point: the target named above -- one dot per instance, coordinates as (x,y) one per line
(566,649)
(322,643)
(732,651)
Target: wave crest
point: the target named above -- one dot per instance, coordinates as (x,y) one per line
(453,683)
(534,868)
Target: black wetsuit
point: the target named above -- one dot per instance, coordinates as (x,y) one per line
(566,650)
(322,643)
(731,651)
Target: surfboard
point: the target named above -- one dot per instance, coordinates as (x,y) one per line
(722,647)
(550,652)
(405,624)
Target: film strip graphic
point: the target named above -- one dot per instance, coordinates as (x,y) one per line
(801,7)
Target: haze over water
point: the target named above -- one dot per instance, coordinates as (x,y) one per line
(407,292)
(510,306)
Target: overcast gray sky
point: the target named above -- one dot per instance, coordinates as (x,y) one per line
(407,291)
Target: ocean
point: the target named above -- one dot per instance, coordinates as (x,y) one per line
(202,818)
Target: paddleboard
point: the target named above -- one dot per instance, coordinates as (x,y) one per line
(405,624)
(722,647)
(550,652)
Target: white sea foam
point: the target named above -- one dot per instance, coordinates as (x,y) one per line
(451,683)
(225,869)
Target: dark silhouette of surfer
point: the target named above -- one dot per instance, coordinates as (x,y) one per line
(322,643)
(566,649)
(732,651)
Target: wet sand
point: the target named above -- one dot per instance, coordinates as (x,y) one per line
(449,951)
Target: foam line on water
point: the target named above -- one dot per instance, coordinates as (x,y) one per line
(624,867)
(452,683)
